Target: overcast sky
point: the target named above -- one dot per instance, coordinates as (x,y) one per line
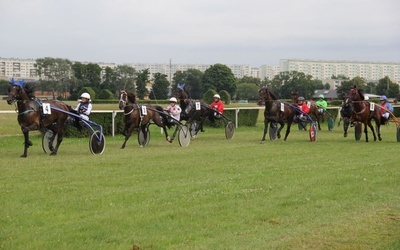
(254,32)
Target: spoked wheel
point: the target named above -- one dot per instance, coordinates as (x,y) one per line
(358,130)
(97,143)
(331,124)
(313,132)
(184,136)
(142,140)
(194,129)
(46,138)
(229,130)
(273,131)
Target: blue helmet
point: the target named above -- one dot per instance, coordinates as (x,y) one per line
(383,98)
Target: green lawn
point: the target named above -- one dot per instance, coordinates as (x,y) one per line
(335,193)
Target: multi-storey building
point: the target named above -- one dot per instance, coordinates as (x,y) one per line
(370,71)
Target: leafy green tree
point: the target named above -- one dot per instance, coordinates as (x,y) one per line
(109,80)
(126,77)
(160,87)
(386,87)
(93,75)
(208,97)
(220,77)
(192,78)
(265,82)
(345,87)
(4,87)
(141,82)
(370,88)
(54,71)
(249,79)
(247,91)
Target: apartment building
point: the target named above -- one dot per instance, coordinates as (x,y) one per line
(371,71)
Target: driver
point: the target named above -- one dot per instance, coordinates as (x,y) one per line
(302,105)
(174,110)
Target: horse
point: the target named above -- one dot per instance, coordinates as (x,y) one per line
(363,113)
(134,119)
(313,108)
(31,117)
(190,112)
(274,112)
(346,110)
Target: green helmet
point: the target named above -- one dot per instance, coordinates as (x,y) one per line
(321,96)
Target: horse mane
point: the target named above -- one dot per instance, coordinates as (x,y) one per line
(360,92)
(29,88)
(273,96)
(131,97)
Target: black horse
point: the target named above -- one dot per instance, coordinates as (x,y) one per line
(276,112)
(194,112)
(346,110)
(31,115)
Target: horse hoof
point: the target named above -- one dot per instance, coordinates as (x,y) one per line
(53,153)
(261,142)
(380,139)
(23,156)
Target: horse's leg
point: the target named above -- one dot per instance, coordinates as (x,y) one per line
(372,128)
(27,142)
(128,134)
(59,132)
(317,117)
(378,129)
(366,125)
(265,130)
(289,124)
(346,124)
(169,139)
(280,129)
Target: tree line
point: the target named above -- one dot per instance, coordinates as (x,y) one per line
(63,76)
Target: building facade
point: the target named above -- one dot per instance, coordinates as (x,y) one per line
(370,71)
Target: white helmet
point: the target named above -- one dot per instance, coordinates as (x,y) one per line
(366,98)
(217,96)
(85,95)
(173,99)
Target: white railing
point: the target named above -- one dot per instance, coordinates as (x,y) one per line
(114,113)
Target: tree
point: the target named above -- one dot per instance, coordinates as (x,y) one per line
(219,77)
(126,76)
(192,78)
(141,82)
(4,87)
(249,79)
(160,87)
(247,91)
(345,87)
(386,87)
(55,71)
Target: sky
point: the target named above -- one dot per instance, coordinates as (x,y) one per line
(252,32)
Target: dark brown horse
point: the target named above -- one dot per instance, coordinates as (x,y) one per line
(276,112)
(31,116)
(192,110)
(346,110)
(135,119)
(364,113)
(313,108)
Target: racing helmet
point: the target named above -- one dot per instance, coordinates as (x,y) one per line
(173,99)
(85,95)
(321,96)
(301,99)
(383,98)
(366,98)
(217,96)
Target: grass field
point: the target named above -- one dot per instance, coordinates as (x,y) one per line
(335,193)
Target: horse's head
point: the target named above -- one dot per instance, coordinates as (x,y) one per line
(123,99)
(181,92)
(20,91)
(355,94)
(266,95)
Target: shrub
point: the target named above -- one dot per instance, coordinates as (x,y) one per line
(106,94)
(209,96)
(225,96)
